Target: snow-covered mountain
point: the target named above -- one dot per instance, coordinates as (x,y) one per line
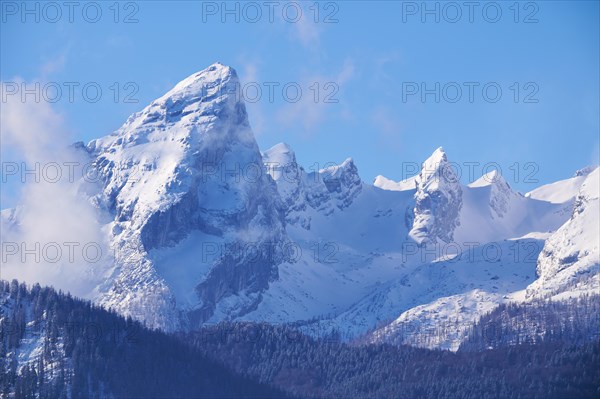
(183,194)
(184,180)
(569,263)
(360,266)
(203,227)
(544,262)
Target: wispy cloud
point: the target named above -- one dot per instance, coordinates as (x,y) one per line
(54,65)
(310,110)
(307,32)
(52,210)
(249,75)
(381,64)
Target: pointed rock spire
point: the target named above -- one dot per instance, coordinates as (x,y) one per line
(438,201)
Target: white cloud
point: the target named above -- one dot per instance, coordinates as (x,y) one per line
(32,128)
(312,109)
(307,32)
(348,71)
(54,65)
(52,212)
(249,75)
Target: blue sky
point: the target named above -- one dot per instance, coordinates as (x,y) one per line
(372,51)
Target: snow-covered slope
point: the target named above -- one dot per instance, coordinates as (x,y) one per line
(499,192)
(561,191)
(386,184)
(447,297)
(569,265)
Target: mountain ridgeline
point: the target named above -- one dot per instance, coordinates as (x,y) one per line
(198,226)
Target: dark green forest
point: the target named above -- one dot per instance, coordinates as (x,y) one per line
(311,368)
(95,353)
(87,352)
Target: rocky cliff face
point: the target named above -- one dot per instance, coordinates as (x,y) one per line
(187,162)
(438,201)
(498,191)
(329,189)
(570,261)
(342,182)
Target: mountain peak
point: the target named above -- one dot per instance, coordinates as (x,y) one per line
(437,158)
(283,147)
(492,177)
(194,105)
(204,82)
(279,150)
(585,171)
(336,171)
(280,154)
(436,170)
(438,200)
(439,155)
(176,169)
(499,191)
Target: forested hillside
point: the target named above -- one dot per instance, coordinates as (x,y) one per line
(56,346)
(575,321)
(310,368)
